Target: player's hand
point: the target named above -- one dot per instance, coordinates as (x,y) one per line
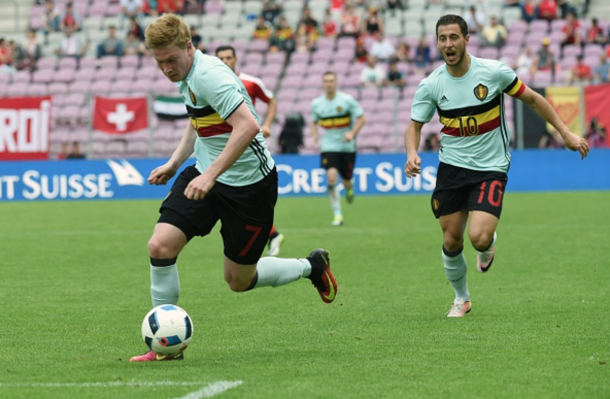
(199,187)
(162,174)
(266,130)
(413,166)
(575,143)
(349,136)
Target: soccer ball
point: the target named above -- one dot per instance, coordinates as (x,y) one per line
(167,330)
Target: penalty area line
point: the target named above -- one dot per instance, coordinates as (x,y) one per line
(212,390)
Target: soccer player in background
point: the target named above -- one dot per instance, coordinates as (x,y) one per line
(256,90)
(234,179)
(468,93)
(341,117)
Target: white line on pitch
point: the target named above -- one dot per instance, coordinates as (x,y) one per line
(100,384)
(212,390)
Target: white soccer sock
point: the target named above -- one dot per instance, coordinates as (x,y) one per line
(164,285)
(455,269)
(335,200)
(273,272)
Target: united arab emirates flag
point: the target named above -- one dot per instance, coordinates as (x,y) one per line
(169,108)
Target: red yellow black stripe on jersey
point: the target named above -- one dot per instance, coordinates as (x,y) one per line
(515,88)
(336,122)
(207,122)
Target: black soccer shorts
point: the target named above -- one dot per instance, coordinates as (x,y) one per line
(459,189)
(342,161)
(246,214)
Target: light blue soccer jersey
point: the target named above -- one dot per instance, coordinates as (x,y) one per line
(212,92)
(337,117)
(471,108)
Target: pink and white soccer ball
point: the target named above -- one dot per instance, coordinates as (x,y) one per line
(167,330)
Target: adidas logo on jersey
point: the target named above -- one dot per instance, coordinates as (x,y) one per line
(443,99)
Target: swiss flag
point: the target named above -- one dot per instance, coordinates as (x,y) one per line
(120,115)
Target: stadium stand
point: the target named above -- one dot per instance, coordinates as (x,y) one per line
(295,76)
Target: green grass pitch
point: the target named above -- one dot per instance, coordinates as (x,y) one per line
(74,287)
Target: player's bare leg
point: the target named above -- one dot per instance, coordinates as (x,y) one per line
(349,190)
(332,177)
(453,226)
(482,233)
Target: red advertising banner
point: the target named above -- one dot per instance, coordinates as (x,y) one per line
(120,115)
(25,124)
(597,104)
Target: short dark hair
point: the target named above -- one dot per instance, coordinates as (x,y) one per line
(450,19)
(225,48)
(330,73)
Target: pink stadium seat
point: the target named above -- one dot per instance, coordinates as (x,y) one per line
(80,86)
(87,62)
(42,76)
(356,68)
(275,58)
(213,7)
(130,61)
(76,99)
(369,93)
(352,91)
(84,74)
(539,25)
(21,77)
(273,70)
(100,87)
(111,10)
(593,50)
(105,73)
(47,63)
(109,61)
(571,51)
(67,63)
(58,88)
(352,80)
(37,89)
(125,73)
(254,58)
(124,86)
(291,82)
(64,76)
(142,85)
(259,45)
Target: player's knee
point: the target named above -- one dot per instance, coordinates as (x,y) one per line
(453,241)
(158,249)
(481,240)
(236,284)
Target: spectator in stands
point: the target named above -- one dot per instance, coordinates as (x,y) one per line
(71,45)
(150,7)
(75,151)
(494,34)
(525,61)
(395,5)
(475,20)
(170,6)
(595,34)
(197,40)
(329,26)
(63,154)
(580,73)
(566,7)
(382,48)
(547,10)
(596,134)
(571,32)
(544,60)
(361,52)
(551,139)
(403,52)
(310,22)
(302,40)
(49,19)
(261,30)
(29,52)
(350,22)
(70,17)
(601,73)
(135,28)
(373,74)
(422,56)
(286,35)
(271,9)
(6,57)
(394,76)
(372,24)
(529,11)
(112,45)
(129,9)
(275,42)
(134,46)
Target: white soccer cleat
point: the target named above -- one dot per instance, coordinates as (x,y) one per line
(275,244)
(337,221)
(459,308)
(485,259)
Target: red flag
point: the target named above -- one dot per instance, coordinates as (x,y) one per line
(597,103)
(120,115)
(25,124)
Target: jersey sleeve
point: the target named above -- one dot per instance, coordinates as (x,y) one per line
(221,91)
(262,92)
(314,115)
(509,82)
(424,105)
(355,109)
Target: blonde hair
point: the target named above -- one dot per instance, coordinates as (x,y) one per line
(167,31)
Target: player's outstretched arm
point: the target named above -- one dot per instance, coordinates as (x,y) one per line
(412,138)
(547,112)
(314,131)
(271,111)
(164,173)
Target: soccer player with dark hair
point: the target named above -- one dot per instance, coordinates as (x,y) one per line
(256,90)
(341,117)
(468,94)
(234,180)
